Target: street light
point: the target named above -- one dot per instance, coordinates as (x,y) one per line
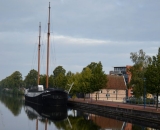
(144,94)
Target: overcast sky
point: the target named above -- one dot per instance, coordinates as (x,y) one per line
(82,31)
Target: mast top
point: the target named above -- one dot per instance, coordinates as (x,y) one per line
(49,6)
(48,40)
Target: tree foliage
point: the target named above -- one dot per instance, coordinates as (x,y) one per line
(137,80)
(141,61)
(85,80)
(12,82)
(43,80)
(98,78)
(140,58)
(60,81)
(59,70)
(152,76)
(73,78)
(92,78)
(59,78)
(31,79)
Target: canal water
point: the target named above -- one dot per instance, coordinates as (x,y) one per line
(15,114)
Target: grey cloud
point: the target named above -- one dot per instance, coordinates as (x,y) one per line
(93,31)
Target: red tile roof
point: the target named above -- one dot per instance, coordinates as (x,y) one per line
(116,82)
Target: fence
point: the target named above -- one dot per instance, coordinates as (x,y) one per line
(140,101)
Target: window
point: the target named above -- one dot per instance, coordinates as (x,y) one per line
(107,95)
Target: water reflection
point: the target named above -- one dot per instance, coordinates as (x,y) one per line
(13,110)
(107,123)
(14,104)
(41,112)
(45,114)
(80,123)
(59,116)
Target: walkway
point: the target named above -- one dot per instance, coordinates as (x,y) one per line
(118,105)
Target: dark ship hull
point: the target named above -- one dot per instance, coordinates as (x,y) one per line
(48,97)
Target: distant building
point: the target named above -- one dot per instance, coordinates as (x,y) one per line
(123,70)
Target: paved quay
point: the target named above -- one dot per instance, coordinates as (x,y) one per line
(137,114)
(146,108)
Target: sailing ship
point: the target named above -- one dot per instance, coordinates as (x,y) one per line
(48,96)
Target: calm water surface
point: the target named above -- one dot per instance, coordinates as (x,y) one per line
(15,114)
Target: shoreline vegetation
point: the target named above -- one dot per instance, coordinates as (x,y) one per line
(20,91)
(144,78)
(91,79)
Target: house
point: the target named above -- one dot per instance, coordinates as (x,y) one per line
(123,70)
(115,89)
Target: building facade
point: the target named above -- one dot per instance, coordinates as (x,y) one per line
(115,89)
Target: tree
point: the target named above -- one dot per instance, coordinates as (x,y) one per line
(31,78)
(59,70)
(152,76)
(70,77)
(98,78)
(85,81)
(60,81)
(12,82)
(16,79)
(140,58)
(50,81)
(141,61)
(43,80)
(137,80)
(73,78)
(6,83)
(59,78)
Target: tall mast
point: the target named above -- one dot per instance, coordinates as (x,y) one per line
(48,35)
(39,46)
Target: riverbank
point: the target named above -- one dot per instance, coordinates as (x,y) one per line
(121,111)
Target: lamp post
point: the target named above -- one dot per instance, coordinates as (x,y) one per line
(144,94)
